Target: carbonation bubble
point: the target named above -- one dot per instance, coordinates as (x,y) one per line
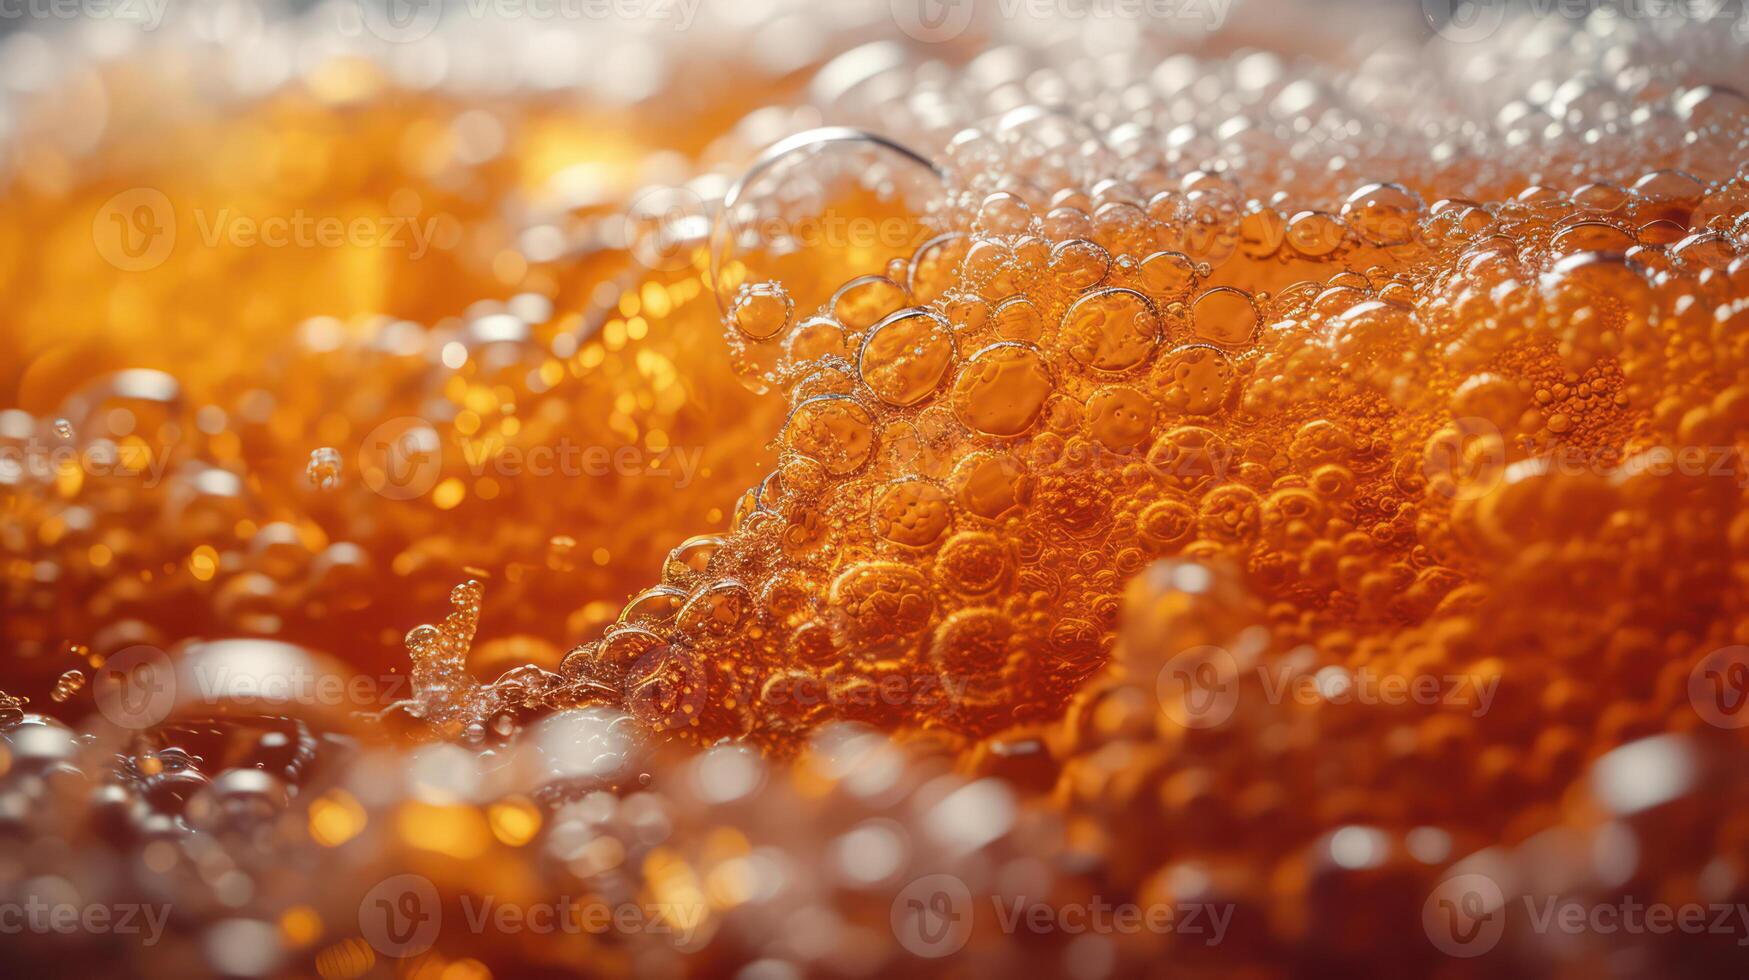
(834,430)
(1122,228)
(1706,250)
(1061,224)
(1601,197)
(1598,280)
(1001,389)
(814,340)
(865,300)
(881,602)
(1315,234)
(1111,330)
(1120,418)
(990,485)
(818,209)
(1189,458)
(1003,213)
(716,610)
(1166,276)
(1373,330)
(323,468)
(936,264)
(658,604)
(912,512)
(1064,150)
(1229,513)
(1261,233)
(974,562)
(692,555)
(1383,214)
(1210,231)
(1224,315)
(1076,265)
(761,310)
(1192,379)
(1166,525)
(1019,319)
(1592,236)
(906,356)
(1706,106)
(972,641)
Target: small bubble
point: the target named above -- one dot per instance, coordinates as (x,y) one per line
(324,468)
(561,553)
(67,685)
